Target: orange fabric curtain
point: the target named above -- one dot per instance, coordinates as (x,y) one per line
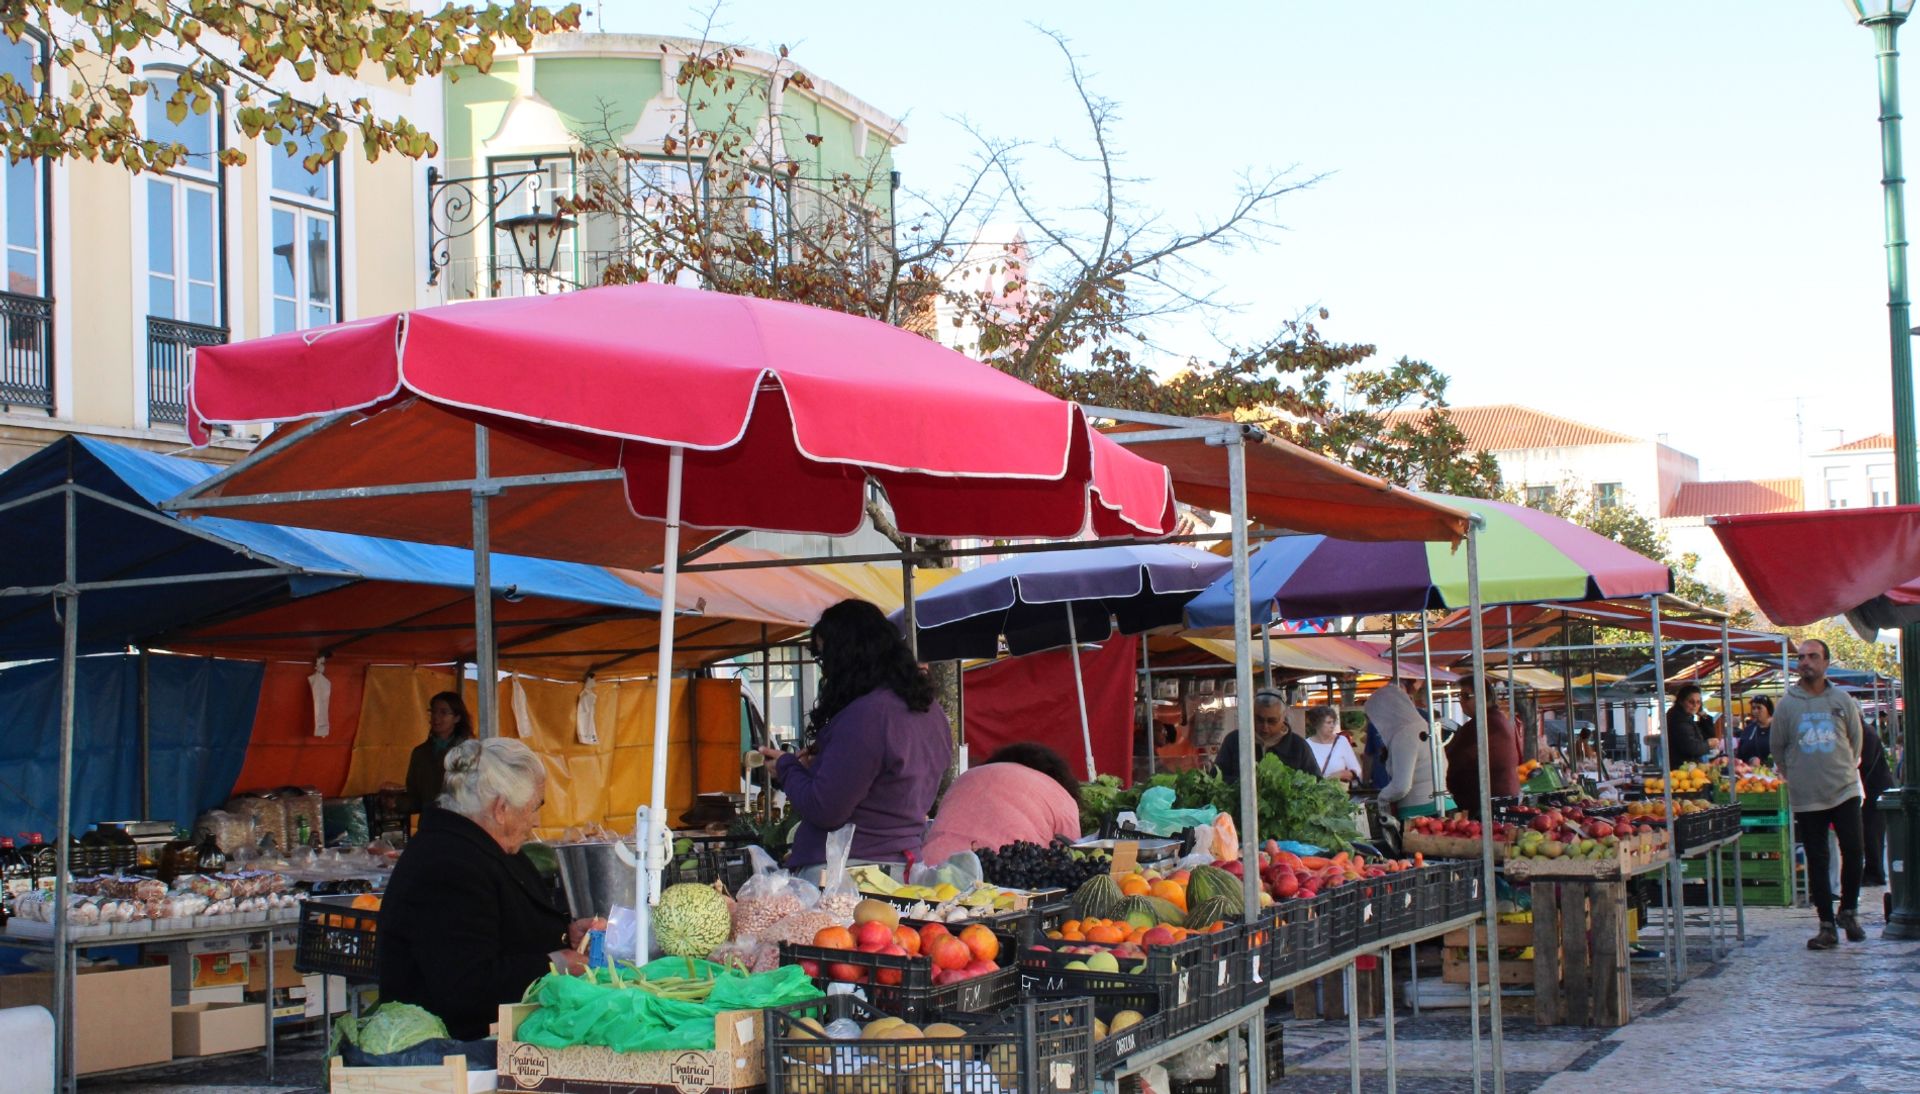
(283,750)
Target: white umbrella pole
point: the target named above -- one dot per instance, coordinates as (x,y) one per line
(1080,690)
(652,830)
(1483,716)
(1153,731)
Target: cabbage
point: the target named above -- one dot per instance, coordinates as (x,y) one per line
(390,1028)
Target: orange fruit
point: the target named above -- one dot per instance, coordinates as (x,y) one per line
(1107,934)
(1134,885)
(1170,891)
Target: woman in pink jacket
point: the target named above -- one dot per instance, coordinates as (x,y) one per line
(1023,792)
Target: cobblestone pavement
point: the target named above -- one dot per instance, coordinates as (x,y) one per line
(1844,1020)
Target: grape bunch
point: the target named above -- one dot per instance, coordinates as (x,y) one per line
(1023,865)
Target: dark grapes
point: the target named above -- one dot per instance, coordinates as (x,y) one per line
(1024,865)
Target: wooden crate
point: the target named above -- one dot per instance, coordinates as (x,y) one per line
(1581,972)
(1627,860)
(1330,998)
(448,1078)
(1515,972)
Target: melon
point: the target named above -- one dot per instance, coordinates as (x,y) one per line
(1213,883)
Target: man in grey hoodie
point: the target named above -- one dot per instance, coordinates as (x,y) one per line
(1817,737)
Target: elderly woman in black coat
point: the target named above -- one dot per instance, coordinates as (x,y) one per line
(467,923)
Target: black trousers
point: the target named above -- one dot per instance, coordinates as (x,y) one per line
(1873,829)
(1811,829)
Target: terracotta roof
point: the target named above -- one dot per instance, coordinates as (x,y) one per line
(1866,444)
(1509,426)
(1726,497)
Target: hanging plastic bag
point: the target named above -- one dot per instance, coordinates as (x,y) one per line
(1159,817)
(1202,853)
(838,891)
(769,896)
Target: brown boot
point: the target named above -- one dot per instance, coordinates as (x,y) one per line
(1827,938)
(1850,923)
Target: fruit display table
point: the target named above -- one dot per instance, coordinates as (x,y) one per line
(1581,975)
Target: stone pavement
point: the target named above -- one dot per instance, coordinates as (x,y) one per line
(1796,1020)
(1844,1020)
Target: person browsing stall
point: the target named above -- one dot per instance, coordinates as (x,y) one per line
(467,923)
(447,725)
(1408,748)
(880,743)
(1817,740)
(1023,792)
(1333,756)
(1270,734)
(1463,754)
(1690,732)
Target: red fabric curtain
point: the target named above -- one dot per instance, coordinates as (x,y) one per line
(1032,698)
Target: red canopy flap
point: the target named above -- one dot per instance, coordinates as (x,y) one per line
(1805,567)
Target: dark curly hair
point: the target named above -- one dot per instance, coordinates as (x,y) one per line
(1042,759)
(860,651)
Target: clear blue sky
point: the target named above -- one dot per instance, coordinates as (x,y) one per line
(1661,216)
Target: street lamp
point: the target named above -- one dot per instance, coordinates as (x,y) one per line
(1902,809)
(536,240)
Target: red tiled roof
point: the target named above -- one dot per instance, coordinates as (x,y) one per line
(1726,497)
(1509,426)
(1866,444)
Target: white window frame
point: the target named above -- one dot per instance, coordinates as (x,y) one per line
(187,179)
(42,183)
(305,209)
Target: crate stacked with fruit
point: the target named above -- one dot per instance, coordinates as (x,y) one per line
(842,1045)
(1454,836)
(1565,842)
(907,972)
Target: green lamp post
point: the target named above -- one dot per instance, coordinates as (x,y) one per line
(1902,806)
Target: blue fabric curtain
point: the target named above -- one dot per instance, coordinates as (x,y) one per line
(201,719)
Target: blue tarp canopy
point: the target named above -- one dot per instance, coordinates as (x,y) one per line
(288,591)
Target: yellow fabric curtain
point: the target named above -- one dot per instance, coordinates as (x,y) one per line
(598,783)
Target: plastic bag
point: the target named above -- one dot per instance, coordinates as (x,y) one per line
(838,892)
(769,896)
(579,1011)
(962,871)
(1158,816)
(1202,853)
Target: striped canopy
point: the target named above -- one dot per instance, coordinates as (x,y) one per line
(1526,557)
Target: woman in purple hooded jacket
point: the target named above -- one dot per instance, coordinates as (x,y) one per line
(880,743)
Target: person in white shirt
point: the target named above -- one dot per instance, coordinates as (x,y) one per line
(1333,754)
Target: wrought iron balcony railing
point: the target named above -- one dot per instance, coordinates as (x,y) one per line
(169,341)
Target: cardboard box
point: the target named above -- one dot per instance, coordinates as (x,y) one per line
(284,974)
(737,1062)
(221,969)
(232,993)
(121,1016)
(335,998)
(208,1029)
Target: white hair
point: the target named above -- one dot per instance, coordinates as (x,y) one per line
(480,773)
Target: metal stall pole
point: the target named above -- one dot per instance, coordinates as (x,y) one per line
(1080,690)
(1731,744)
(485,654)
(1266,653)
(63,824)
(1433,722)
(1484,714)
(766,717)
(911,614)
(146,734)
(1386,988)
(1676,927)
(651,834)
(1243,722)
(1528,747)
(1146,673)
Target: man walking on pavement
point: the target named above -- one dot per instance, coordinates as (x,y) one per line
(1816,740)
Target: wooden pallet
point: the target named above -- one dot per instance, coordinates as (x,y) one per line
(1327,996)
(1581,972)
(1515,972)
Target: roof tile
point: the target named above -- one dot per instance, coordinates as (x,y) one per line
(1866,444)
(1730,496)
(1509,426)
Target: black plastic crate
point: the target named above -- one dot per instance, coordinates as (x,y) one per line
(338,939)
(1433,891)
(1399,902)
(1044,1047)
(903,986)
(1369,909)
(709,859)
(1343,917)
(1115,1047)
(1221,971)
(1463,883)
(1258,955)
(1175,973)
(1313,931)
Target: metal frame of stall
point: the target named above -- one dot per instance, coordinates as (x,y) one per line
(66,597)
(1230,436)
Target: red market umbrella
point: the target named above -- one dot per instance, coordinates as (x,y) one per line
(784,413)
(654,402)
(1805,567)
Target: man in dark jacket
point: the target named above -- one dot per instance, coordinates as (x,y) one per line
(1270,734)
(467,923)
(1463,754)
(1876,776)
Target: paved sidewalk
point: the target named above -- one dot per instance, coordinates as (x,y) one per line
(1842,1020)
